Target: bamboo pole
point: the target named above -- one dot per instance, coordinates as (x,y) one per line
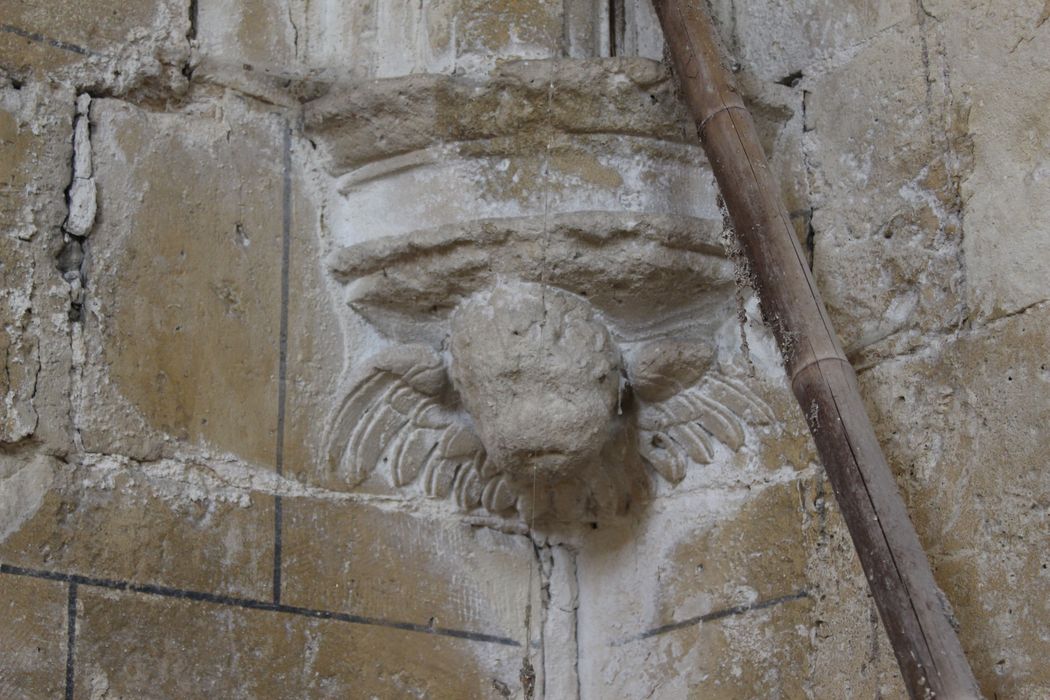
(913,609)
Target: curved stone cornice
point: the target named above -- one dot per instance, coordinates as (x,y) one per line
(362,122)
(640,271)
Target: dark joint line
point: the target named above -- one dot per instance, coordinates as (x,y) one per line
(41,39)
(712,616)
(278,526)
(71,638)
(244,603)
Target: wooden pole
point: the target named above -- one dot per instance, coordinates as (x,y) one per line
(913,609)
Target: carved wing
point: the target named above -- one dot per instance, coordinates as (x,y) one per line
(395,417)
(686,407)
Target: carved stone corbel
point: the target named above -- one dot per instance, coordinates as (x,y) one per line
(547,311)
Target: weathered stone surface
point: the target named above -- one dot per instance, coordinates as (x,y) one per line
(681,585)
(997,60)
(182,323)
(429,163)
(35,139)
(101,43)
(19,350)
(622,96)
(777,40)
(156,647)
(169,524)
(24,482)
(258,35)
(885,193)
(397,565)
(443,36)
(352,38)
(32,638)
(547,349)
(964,426)
(507,28)
(316,348)
(851,655)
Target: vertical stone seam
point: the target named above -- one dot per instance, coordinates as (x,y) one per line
(282,361)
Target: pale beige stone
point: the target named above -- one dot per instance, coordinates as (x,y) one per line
(182,327)
(155,647)
(97,42)
(23,485)
(997,60)
(35,301)
(851,654)
(19,354)
(416,568)
(436,159)
(113,519)
(316,347)
(253,36)
(777,40)
(885,195)
(32,637)
(686,562)
(964,427)
(548,351)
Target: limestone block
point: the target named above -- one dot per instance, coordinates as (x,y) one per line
(35,140)
(381,39)
(19,349)
(776,40)
(114,519)
(507,29)
(886,214)
(97,42)
(708,598)
(316,351)
(154,647)
(32,638)
(851,655)
(181,333)
(509,112)
(24,482)
(964,426)
(253,36)
(405,37)
(417,568)
(628,28)
(998,58)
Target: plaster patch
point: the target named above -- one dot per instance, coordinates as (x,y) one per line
(22,491)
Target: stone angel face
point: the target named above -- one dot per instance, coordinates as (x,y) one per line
(530,405)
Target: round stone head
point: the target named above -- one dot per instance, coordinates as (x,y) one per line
(540,376)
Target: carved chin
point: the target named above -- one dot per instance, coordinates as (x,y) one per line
(540,376)
(547,436)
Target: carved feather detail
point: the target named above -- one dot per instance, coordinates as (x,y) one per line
(685,427)
(400,417)
(394,416)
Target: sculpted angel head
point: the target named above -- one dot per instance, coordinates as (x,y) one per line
(532,389)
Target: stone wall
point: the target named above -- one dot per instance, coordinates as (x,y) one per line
(241,239)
